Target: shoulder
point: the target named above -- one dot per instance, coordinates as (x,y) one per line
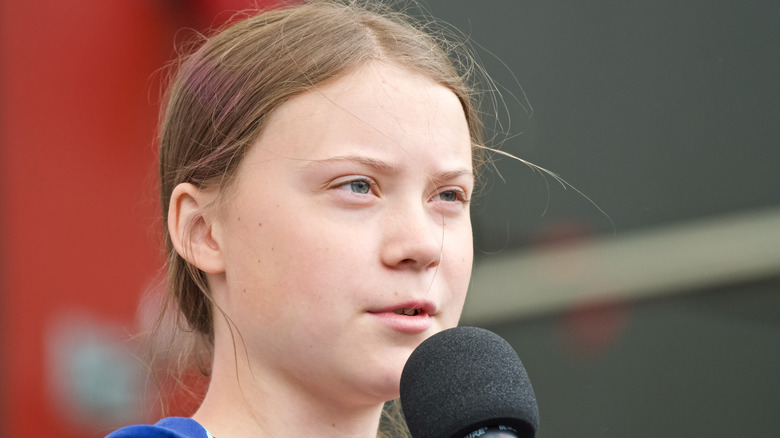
(172,427)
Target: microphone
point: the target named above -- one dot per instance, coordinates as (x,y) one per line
(467,382)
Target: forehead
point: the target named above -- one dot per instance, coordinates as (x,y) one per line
(379,106)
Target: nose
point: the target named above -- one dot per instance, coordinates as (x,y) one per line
(412,239)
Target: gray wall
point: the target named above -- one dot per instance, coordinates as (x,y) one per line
(692,365)
(660,111)
(663,113)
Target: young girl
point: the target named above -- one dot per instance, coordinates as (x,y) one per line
(316,166)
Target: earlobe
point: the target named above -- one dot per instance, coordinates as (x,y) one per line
(191,229)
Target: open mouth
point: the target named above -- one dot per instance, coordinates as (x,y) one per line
(409,317)
(408,312)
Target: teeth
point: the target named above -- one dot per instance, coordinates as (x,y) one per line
(407,312)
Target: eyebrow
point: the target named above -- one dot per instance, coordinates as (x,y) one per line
(385,167)
(453,174)
(379,165)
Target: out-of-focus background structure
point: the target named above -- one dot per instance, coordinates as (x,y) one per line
(647,304)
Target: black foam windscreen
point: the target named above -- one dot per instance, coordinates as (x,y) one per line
(465,378)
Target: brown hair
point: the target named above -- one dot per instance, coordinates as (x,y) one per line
(225,90)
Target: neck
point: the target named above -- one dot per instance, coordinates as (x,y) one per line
(260,403)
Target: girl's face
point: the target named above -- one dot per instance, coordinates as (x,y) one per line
(346,239)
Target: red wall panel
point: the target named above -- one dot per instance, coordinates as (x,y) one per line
(79,96)
(79,242)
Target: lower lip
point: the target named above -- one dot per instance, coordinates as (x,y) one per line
(404,323)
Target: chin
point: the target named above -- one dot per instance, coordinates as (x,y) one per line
(386,380)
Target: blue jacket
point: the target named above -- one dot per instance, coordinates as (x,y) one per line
(171,427)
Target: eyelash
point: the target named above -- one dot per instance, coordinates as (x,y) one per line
(372,187)
(459,193)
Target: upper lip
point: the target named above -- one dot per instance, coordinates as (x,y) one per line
(425,307)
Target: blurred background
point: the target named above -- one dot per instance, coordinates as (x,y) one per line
(644,298)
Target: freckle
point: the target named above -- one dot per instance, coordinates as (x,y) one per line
(239,218)
(395,293)
(244,291)
(258,261)
(259,224)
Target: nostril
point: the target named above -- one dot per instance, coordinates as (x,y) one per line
(410,243)
(420,263)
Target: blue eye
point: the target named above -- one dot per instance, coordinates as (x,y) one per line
(449,196)
(452,196)
(359,187)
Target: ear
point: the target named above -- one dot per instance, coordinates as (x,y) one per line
(191,228)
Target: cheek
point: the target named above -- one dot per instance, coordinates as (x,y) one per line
(301,253)
(459,244)
(462,257)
